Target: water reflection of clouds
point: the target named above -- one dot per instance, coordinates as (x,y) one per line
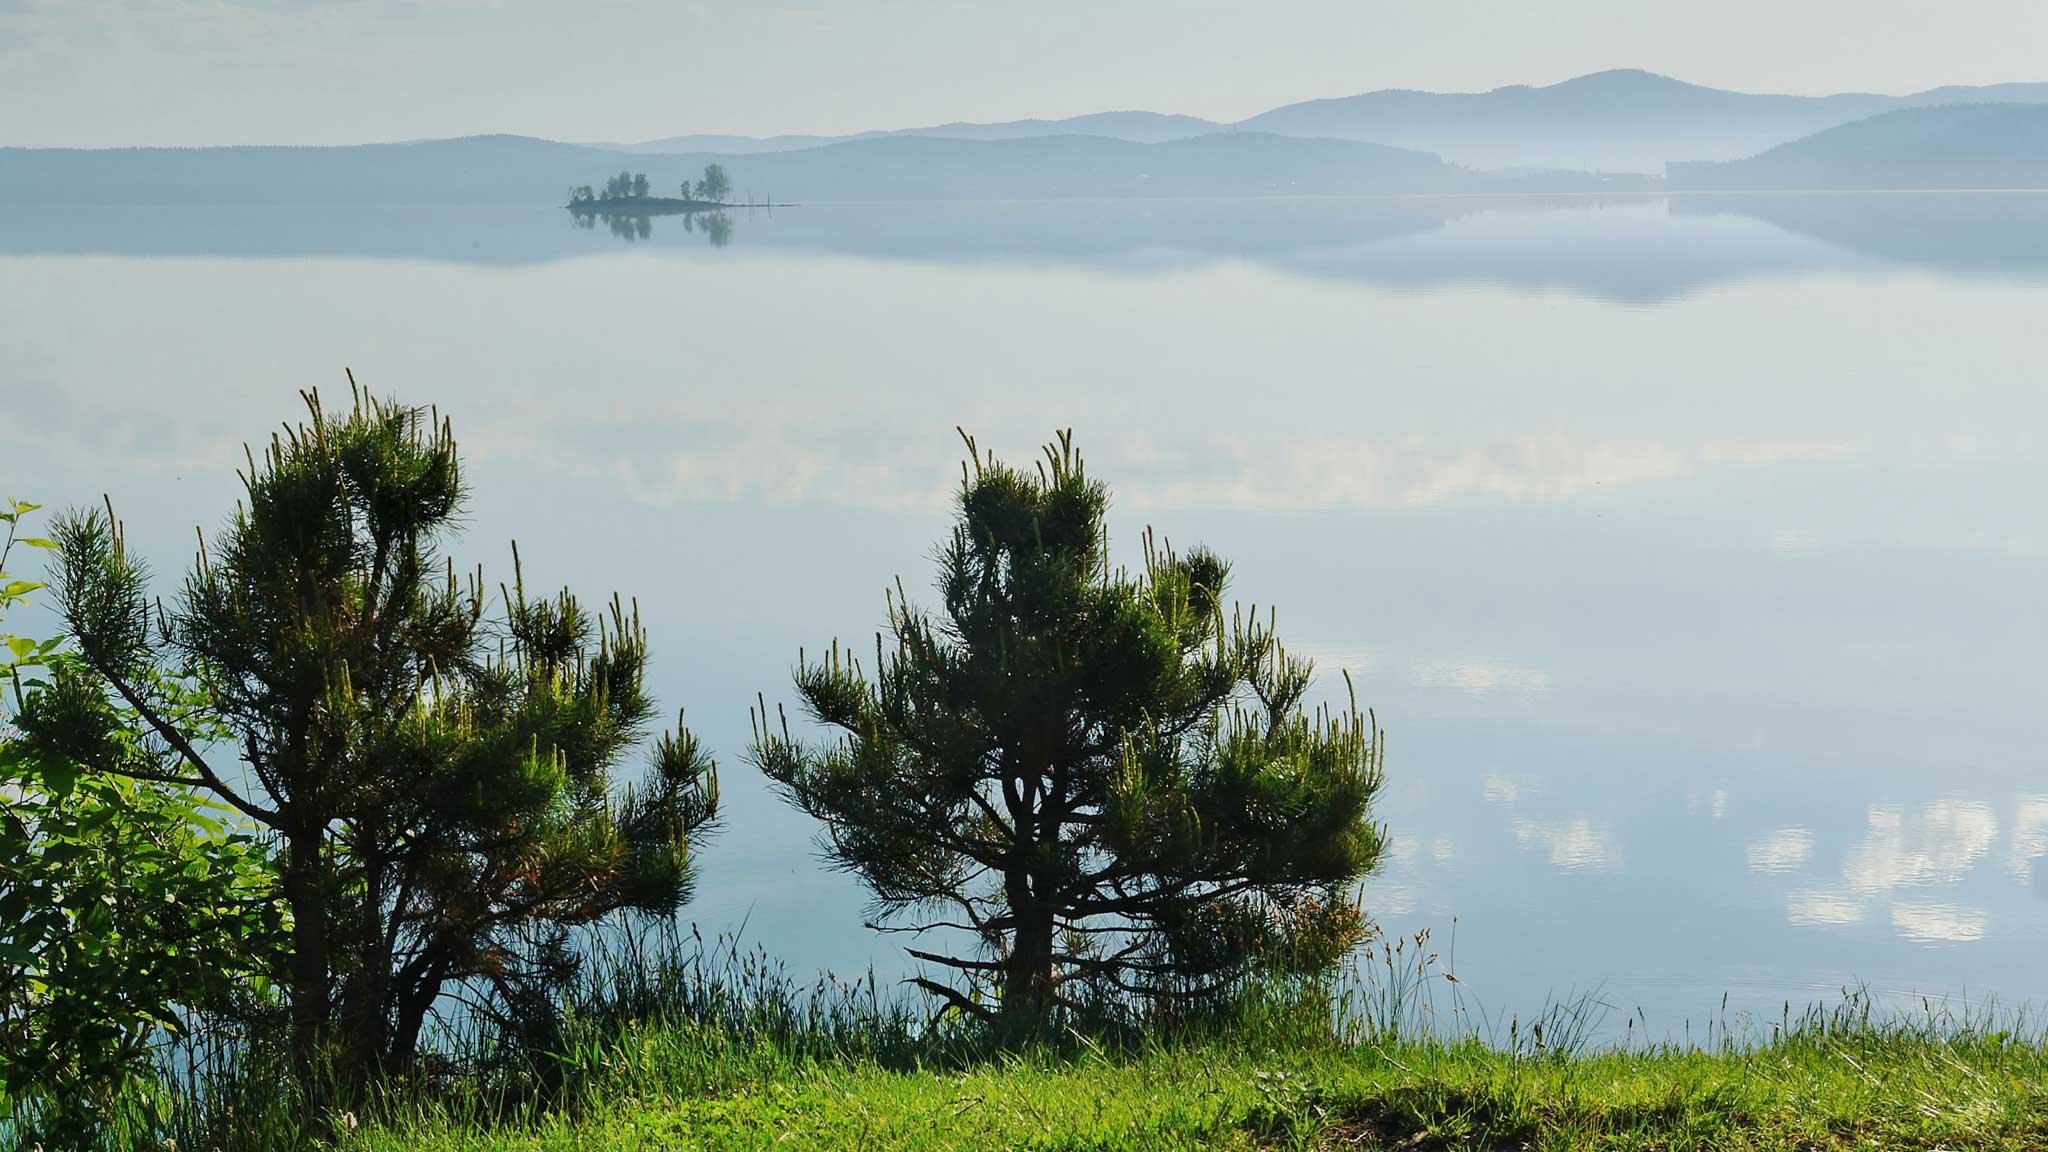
(1575,844)
(1936,847)
(1351,473)
(742,467)
(656,465)
(1822,907)
(1479,678)
(1901,852)
(1715,802)
(1937,923)
(1395,888)
(1471,676)
(2029,837)
(1571,843)
(1392,889)
(1506,790)
(1334,660)
(1785,850)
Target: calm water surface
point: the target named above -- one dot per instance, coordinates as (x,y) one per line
(1691,551)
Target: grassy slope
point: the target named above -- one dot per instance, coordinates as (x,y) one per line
(668,1091)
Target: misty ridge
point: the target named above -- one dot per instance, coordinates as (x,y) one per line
(1610,132)
(1622,120)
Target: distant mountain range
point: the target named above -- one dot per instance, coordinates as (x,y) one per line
(1318,148)
(1624,120)
(1138,127)
(1958,146)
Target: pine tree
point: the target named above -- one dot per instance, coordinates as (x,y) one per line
(1110,785)
(441,781)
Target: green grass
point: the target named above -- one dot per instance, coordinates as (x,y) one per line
(686,1047)
(1874,1088)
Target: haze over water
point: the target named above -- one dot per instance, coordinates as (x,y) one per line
(1690,550)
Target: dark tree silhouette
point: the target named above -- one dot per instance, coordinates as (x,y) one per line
(1105,780)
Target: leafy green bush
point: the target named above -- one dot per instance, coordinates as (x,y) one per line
(126,904)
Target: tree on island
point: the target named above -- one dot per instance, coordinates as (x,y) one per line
(714,186)
(625,186)
(440,783)
(1111,786)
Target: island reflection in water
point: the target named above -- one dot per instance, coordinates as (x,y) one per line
(715,226)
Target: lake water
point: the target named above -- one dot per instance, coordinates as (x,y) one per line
(1692,552)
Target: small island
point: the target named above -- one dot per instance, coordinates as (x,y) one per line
(629,194)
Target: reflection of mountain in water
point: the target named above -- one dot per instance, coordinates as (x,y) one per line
(1962,233)
(1625,249)
(1620,249)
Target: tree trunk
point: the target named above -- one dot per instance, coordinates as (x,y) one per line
(413,1004)
(368,1009)
(310,990)
(1027,975)
(1027,972)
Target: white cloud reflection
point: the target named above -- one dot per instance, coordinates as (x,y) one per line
(1479,678)
(1901,852)
(1501,789)
(661,461)
(1574,845)
(1410,474)
(1823,907)
(1786,850)
(1938,923)
(2029,837)
(1935,847)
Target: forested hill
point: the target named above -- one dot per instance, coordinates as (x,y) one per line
(513,169)
(1042,167)
(1958,146)
(495,169)
(1139,127)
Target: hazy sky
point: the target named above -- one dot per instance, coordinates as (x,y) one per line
(104,72)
